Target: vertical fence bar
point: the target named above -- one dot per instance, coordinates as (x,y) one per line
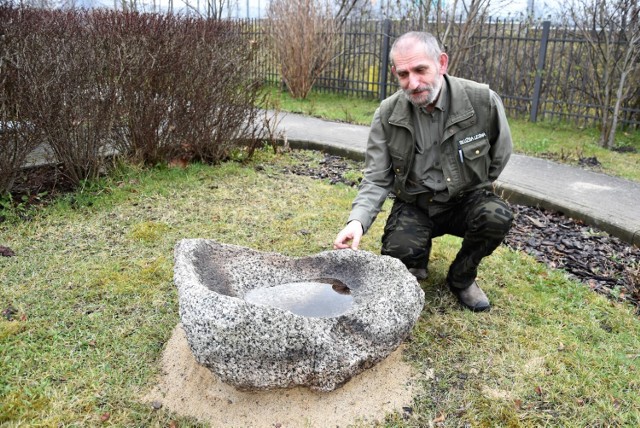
(507,28)
(368,85)
(384,56)
(360,59)
(575,53)
(494,65)
(555,66)
(519,83)
(542,53)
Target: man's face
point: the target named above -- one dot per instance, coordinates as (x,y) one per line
(419,75)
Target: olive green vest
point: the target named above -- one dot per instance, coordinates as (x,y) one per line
(468,121)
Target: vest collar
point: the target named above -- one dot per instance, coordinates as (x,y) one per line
(460,108)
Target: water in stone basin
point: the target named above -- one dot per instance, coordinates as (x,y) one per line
(316,299)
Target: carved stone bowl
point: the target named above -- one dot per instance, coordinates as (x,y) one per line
(263,320)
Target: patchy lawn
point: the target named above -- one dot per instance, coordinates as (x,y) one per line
(88,305)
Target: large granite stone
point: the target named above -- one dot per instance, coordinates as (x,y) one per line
(261,320)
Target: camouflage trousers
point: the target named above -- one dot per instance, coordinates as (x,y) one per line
(480,217)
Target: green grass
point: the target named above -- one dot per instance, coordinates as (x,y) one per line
(94,304)
(557,141)
(325,105)
(565,143)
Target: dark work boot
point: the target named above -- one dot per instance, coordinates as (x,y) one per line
(472,297)
(419,273)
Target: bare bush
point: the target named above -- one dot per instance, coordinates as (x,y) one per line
(185,88)
(17,135)
(304,37)
(146,59)
(59,95)
(457,25)
(612,31)
(461,37)
(219,93)
(72,100)
(149,87)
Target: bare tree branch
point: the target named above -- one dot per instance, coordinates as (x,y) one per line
(304,37)
(611,29)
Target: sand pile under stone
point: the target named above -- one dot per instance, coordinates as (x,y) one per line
(189,389)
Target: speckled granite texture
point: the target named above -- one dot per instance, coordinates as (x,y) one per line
(256,347)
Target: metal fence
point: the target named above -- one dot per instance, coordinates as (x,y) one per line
(542,72)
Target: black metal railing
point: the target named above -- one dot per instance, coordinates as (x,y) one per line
(542,72)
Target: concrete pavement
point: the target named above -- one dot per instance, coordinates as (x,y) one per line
(609,203)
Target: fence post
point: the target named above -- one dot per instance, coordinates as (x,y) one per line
(384,55)
(542,55)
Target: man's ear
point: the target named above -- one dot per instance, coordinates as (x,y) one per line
(393,70)
(444,62)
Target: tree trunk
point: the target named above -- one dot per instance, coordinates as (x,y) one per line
(616,111)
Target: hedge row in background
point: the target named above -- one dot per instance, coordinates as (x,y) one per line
(154,88)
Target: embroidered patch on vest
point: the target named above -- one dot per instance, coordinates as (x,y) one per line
(472,138)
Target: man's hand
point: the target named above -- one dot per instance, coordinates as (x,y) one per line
(353,232)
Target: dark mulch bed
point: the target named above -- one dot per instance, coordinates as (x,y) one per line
(603,262)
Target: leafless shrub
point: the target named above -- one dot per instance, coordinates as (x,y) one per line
(611,29)
(269,124)
(185,89)
(305,35)
(462,40)
(150,87)
(218,94)
(72,99)
(17,134)
(58,96)
(149,60)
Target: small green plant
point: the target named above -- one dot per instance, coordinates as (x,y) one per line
(348,117)
(353,176)
(6,207)
(12,210)
(148,231)
(539,146)
(310,107)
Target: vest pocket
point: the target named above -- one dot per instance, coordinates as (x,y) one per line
(475,149)
(476,160)
(399,164)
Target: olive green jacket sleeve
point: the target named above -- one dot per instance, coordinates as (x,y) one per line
(378,177)
(502,144)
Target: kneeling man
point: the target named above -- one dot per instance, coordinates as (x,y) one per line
(438,144)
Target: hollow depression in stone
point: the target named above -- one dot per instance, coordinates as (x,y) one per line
(308,298)
(261,320)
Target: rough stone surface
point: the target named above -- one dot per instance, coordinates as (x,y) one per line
(255,347)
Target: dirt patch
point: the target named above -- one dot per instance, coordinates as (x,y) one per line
(189,389)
